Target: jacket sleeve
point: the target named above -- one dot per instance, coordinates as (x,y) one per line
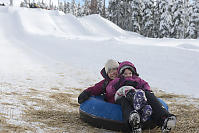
(110,91)
(143,85)
(96,89)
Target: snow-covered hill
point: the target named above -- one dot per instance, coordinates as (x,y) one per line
(47,51)
(86,43)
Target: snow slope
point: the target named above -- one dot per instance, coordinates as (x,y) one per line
(86,43)
(43,49)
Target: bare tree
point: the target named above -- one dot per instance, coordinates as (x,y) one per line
(11,2)
(93,6)
(103,11)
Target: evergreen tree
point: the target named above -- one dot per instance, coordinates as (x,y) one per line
(178,19)
(190,30)
(165,28)
(120,13)
(106,12)
(136,16)
(61,6)
(66,7)
(79,11)
(147,18)
(113,11)
(100,7)
(126,15)
(196,17)
(186,17)
(73,8)
(156,19)
(86,8)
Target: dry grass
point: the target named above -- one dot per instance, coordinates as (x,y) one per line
(60,113)
(54,118)
(62,119)
(168,96)
(64,98)
(187,115)
(7,128)
(187,118)
(187,112)
(14,128)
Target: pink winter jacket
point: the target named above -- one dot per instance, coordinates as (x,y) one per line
(134,81)
(111,88)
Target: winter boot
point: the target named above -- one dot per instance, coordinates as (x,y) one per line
(134,121)
(146,112)
(139,100)
(169,124)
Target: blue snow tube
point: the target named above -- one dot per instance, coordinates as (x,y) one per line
(102,114)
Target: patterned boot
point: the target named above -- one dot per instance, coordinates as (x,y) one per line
(134,121)
(169,124)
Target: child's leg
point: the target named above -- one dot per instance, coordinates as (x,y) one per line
(160,115)
(159,112)
(126,110)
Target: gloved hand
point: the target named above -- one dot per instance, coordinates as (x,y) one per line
(83,96)
(130,83)
(130,96)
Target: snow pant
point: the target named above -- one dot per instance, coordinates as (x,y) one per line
(159,112)
(126,110)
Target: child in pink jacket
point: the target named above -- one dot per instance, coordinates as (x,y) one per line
(137,100)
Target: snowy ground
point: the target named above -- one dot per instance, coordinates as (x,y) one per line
(47,58)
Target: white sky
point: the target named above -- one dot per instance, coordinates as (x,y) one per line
(44,49)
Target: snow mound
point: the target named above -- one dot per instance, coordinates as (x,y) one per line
(101,26)
(55,23)
(189,46)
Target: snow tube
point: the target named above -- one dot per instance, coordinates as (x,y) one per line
(102,114)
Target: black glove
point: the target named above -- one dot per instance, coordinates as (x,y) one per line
(83,96)
(130,83)
(130,96)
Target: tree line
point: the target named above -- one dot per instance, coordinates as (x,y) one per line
(155,19)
